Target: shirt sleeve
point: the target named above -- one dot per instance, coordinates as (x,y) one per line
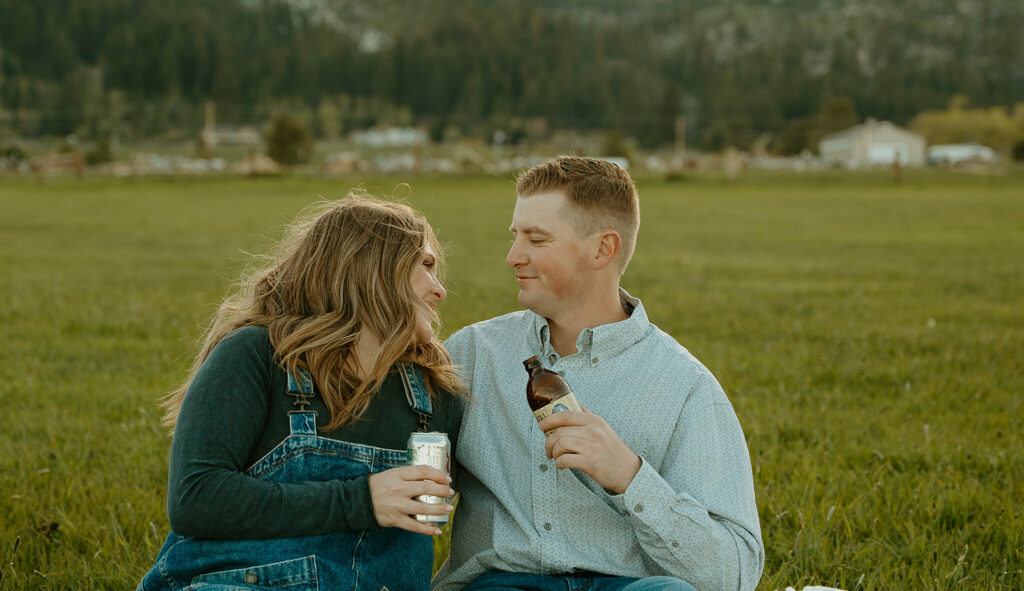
(222,416)
(696,517)
(458,347)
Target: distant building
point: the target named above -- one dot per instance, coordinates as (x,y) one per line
(621,162)
(237,136)
(391,137)
(953,154)
(873,143)
(212,135)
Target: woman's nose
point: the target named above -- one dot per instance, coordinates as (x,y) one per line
(439,290)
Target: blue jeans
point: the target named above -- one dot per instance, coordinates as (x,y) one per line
(505,581)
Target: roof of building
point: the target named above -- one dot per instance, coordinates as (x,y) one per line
(870,125)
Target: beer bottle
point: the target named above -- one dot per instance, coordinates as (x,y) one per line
(547,392)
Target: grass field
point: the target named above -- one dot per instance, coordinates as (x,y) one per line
(870,336)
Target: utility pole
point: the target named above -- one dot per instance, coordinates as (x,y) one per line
(208,137)
(680,138)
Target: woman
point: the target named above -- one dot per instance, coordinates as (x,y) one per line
(288,465)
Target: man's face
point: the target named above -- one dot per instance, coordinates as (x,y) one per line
(549,258)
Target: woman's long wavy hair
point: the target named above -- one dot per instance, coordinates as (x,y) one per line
(346,269)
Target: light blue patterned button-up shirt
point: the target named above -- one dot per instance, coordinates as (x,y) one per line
(688,513)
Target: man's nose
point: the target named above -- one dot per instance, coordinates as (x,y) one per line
(515,257)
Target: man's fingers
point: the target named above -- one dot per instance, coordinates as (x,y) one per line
(562,419)
(563,433)
(568,444)
(570,460)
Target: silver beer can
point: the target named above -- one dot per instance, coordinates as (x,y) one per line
(434,450)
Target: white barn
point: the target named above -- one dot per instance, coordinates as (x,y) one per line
(873,143)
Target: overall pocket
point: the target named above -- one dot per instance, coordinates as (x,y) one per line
(298,574)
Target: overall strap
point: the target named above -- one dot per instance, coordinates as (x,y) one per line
(417,395)
(302,420)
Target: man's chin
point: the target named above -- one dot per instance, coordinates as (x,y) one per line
(530,303)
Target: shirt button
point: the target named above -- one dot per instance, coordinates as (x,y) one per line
(675,544)
(625,512)
(547,526)
(639,507)
(543,467)
(250,578)
(594,360)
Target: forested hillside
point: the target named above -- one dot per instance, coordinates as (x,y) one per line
(734,69)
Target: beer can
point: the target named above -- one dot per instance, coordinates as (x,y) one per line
(434,450)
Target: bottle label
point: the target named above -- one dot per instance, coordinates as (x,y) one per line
(567,402)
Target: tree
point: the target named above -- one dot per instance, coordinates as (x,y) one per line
(288,140)
(994,127)
(836,115)
(795,138)
(328,119)
(614,145)
(1018,151)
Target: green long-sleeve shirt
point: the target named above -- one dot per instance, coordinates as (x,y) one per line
(235,411)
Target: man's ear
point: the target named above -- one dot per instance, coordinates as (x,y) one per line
(609,243)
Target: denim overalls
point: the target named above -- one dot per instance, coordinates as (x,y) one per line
(361,560)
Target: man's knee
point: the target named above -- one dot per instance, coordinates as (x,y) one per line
(659,584)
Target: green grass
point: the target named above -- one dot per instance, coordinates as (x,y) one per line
(870,336)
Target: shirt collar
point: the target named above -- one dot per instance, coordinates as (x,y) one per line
(605,341)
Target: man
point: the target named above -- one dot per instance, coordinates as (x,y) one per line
(650,486)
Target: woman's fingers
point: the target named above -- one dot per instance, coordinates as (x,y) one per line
(393,494)
(422,472)
(422,480)
(418,527)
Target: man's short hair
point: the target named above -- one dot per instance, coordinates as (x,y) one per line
(601,193)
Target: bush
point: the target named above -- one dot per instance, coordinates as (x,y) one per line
(1018,151)
(614,145)
(288,140)
(101,154)
(12,153)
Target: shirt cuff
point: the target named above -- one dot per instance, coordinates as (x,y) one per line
(357,503)
(648,499)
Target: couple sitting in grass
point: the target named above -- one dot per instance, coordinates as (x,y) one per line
(288,464)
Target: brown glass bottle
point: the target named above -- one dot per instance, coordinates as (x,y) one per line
(544,385)
(547,392)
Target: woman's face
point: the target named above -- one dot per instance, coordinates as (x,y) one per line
(429,289)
